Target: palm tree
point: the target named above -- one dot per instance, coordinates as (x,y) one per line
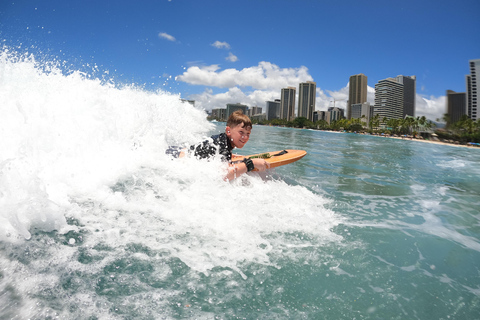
(408,123)
(394,124)
(363,120)
(429,125)
(342,123)
(447,119)
(375,121)
(322,124)
(301,122)
(477,125)
(466,124)
(384,121)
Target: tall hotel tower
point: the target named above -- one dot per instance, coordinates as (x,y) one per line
(389,99)
(357,92)
(287,105)
(456,106)
(395,97)
(306,99)
(409,94)
(472,89)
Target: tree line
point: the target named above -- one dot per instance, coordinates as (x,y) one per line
(409,125)
(465,130)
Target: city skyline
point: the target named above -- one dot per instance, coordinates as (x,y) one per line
(401,99)
(193,49)
(394,99)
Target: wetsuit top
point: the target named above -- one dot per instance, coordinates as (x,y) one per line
(218,144)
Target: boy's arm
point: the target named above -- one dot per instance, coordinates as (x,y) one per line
(235,170)
(238,168)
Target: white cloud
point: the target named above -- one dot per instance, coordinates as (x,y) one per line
(322,101)
(220,45)
(166,36)
(264,76)
(231,57)
(432,108)
(371,95)
(334,99)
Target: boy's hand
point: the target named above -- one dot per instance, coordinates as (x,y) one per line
(260,164)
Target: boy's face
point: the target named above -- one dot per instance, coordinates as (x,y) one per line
(238,135)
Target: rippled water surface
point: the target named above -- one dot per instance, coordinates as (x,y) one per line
(96,222)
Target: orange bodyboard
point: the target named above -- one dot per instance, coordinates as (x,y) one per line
(275,158)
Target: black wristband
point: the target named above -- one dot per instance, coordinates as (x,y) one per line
(249,163)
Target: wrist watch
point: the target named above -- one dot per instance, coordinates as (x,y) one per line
(249,163)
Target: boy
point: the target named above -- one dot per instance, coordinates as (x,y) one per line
(237,133)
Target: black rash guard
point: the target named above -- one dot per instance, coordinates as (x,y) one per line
(218,144)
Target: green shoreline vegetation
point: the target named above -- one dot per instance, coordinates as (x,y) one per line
(465,131)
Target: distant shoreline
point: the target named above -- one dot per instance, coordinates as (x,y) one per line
(408,138)
(398,138)
(429,141)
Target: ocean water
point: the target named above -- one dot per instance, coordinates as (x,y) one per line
(96,222)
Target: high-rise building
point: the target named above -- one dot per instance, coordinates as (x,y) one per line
(192,102)
(254,111)
(472,89)
(319,115)
(273,109)
(409,94)
(287,104)
(306,99)
(456,105)
(357,91)
(364,110)
(232,107)
(219,114)
(334,114)
(389,99)
(468,94)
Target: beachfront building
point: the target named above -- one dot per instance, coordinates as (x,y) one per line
(334,114)
(357,92)
(273,109)
(409,94)
(232,107)
(389,99)
(362,109)
(472,89)
(254,111)
(192,102)
(219,114)
(395,97)
(287,103)
(259,117)
(456,105)
(319,115)
(306,99)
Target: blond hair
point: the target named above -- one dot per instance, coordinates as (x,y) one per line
(238,117)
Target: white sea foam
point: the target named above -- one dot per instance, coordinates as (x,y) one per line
(452,164)
(85,149)
(66,135)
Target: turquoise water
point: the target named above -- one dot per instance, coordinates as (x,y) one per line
(97,223)
(410,247)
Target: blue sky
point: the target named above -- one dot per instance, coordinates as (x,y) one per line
(218,52)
